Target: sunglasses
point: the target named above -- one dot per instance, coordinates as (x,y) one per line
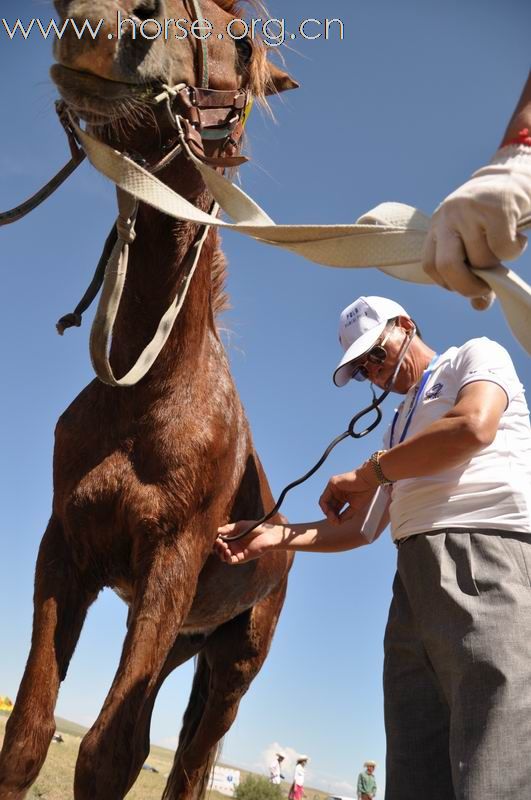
(376,355)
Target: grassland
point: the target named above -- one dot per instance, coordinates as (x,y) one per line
(57,775)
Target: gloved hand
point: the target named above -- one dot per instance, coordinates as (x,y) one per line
(477,225)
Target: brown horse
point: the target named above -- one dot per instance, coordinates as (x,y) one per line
(143,476)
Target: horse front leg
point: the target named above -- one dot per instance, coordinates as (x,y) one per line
(110,755)
(61,600)
(230,659)
(185,648)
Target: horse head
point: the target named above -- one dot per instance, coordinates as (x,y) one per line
(110,74)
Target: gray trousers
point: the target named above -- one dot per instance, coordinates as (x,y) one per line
(457,672)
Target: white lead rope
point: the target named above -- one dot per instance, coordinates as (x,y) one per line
(111,294)
(390,237)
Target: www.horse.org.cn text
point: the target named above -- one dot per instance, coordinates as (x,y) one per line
(274,31)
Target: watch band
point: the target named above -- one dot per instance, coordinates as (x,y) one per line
(375,461)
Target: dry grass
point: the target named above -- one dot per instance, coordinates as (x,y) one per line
(57,775)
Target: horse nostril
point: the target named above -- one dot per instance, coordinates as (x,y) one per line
(148,9)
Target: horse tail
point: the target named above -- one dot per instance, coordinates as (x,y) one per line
(207,779)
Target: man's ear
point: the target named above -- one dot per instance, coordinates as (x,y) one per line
(279,81)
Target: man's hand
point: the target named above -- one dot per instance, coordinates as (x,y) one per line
(352,489)
(263,538)
(477,225)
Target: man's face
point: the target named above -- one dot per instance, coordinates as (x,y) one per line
(370,768)
(388,348)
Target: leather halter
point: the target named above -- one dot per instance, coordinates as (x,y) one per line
(212,121)
(204,116)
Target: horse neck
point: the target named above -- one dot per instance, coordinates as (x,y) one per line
(154,273)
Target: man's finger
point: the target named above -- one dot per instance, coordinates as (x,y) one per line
(428,261)
(328,507)
(484,302)
(224,530)
(452,265)
(348,513)
(476,247)
(505,242)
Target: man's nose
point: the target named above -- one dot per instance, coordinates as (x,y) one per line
(372,370)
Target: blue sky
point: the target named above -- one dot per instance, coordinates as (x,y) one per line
(414,98)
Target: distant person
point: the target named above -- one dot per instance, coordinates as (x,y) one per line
(367,783)
(454,480)
(275,775)
(297,787)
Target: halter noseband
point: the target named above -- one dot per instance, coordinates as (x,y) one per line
(208,118)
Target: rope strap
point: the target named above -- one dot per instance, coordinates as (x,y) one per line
(16,213)
(115,275)
(390,237)
(74,319)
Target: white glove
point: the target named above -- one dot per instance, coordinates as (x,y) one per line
(477,225)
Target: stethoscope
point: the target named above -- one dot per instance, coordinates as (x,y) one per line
(350,432)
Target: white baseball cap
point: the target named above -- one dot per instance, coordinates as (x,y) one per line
(360,326)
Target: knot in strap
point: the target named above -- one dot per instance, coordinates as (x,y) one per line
(125,223)
(126,229)
(72,320)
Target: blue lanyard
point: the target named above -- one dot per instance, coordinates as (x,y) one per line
(420,392)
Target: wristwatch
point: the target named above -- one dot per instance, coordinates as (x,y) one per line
(375,461)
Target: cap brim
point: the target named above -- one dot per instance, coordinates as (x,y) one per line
(343,371)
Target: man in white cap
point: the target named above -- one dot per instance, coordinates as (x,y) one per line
(367,782)
(454,478)
(275,774)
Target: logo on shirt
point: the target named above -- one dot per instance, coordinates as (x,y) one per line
(435,391)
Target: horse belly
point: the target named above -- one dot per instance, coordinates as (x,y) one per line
(224,592)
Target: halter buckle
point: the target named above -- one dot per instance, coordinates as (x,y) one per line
(62,111)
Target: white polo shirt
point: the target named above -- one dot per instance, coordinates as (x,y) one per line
(299,775)
(274,772)
(493,489)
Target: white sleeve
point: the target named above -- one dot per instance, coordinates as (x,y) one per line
(484,360)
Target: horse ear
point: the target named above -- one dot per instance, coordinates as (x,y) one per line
(278,80)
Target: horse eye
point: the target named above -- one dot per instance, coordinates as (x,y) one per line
(244,48)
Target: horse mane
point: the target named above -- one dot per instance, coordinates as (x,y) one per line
(218,272)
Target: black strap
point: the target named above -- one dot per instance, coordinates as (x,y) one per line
(73,320)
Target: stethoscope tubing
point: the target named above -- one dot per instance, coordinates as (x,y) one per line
(350,432)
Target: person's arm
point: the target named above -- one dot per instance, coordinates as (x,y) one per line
(521,118)
(476,225)
(470,426)
(448,442)
(311,537)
